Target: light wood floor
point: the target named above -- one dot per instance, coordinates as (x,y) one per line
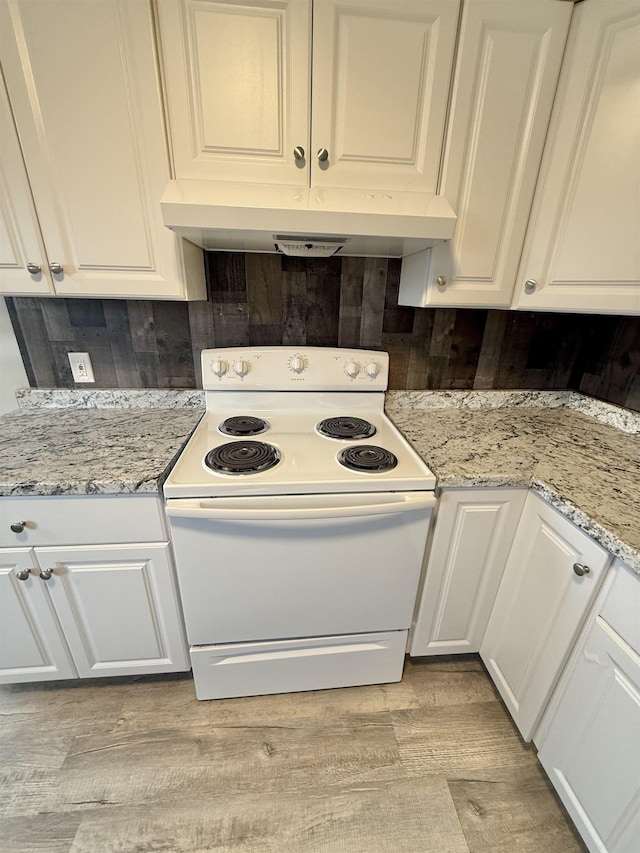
(139,765)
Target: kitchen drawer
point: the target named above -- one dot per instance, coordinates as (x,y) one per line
(288,666)
(81,520)
(621,607)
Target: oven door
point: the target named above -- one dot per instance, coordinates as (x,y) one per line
(259,568)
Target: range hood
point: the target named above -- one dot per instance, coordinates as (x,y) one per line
(312,221)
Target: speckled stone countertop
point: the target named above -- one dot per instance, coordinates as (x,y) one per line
(580,464)
(52,451)
(581,456)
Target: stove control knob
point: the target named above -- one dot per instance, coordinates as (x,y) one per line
(241,368)
(373,369)
(219,367)
(352,369)
(297,364)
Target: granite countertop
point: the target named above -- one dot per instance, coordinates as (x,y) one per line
(581,456)
(588,469)
(55,451)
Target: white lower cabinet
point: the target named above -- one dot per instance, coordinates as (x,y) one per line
(591,746)
(473,534)
(87,610)
(551,578)
(32,645)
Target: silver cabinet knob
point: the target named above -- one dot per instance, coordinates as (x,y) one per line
(580,569)
(298,152)
(530,285)
(323,154)
(18,526)
(34,269)
(441,281)
(23,574)
(56,268)
(45,574)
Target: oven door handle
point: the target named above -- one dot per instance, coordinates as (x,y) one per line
(281,510)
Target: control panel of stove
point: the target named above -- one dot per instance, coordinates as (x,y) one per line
(288,368)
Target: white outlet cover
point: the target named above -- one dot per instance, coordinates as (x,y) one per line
(81,367)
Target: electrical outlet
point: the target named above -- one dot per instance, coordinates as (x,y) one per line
(81,366)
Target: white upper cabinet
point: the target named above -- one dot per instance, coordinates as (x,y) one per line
(508,63)
(380,84)
(23,257)
(237,83)
(582,252)
(239,77)
(84,91)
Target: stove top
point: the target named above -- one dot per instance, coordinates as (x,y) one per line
(329,435)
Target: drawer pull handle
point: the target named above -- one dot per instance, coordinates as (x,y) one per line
(23,574)
(45,574)
(580,569)
(19,526)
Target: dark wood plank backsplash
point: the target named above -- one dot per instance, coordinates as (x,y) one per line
(349,302)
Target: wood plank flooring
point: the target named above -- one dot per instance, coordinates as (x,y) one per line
(430,765)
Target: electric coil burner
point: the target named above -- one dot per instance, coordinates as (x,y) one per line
(243,425)
(242,457)
(349,429)
(298,558)
(368,458)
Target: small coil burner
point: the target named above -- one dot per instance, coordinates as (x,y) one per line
(243,425)
(242,457)
(368,458)
(346,428)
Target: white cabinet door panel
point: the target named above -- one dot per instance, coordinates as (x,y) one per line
(381,73)
(32,647)
(539,609)
(473,535)
(118,608)
(509,60)
(583,247)
(20,237)
(237,79)
(85,93)
(592,749)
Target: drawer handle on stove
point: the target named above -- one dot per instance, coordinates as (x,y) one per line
(183,508)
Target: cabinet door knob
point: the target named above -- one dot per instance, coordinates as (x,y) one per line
(298,152)
(23,574)
(323,154)
(19,526)
(580,569)
(441,281)
(56,268)
(45,574)
(530,285)
(34,269)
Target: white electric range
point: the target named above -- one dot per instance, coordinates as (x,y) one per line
(299,517)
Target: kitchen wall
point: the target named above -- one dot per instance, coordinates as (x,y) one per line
(350,302)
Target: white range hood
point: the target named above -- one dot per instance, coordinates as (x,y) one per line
(310,221)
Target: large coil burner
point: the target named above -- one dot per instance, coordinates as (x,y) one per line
(242,457)
(346,428)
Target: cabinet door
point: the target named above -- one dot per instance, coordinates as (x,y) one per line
(539,608)
(508,65)
(237,82)
(381,74)
(20,237)
(83,86)
(473,535)
(32,646)
(583,249)
(118,607)
(592,749)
